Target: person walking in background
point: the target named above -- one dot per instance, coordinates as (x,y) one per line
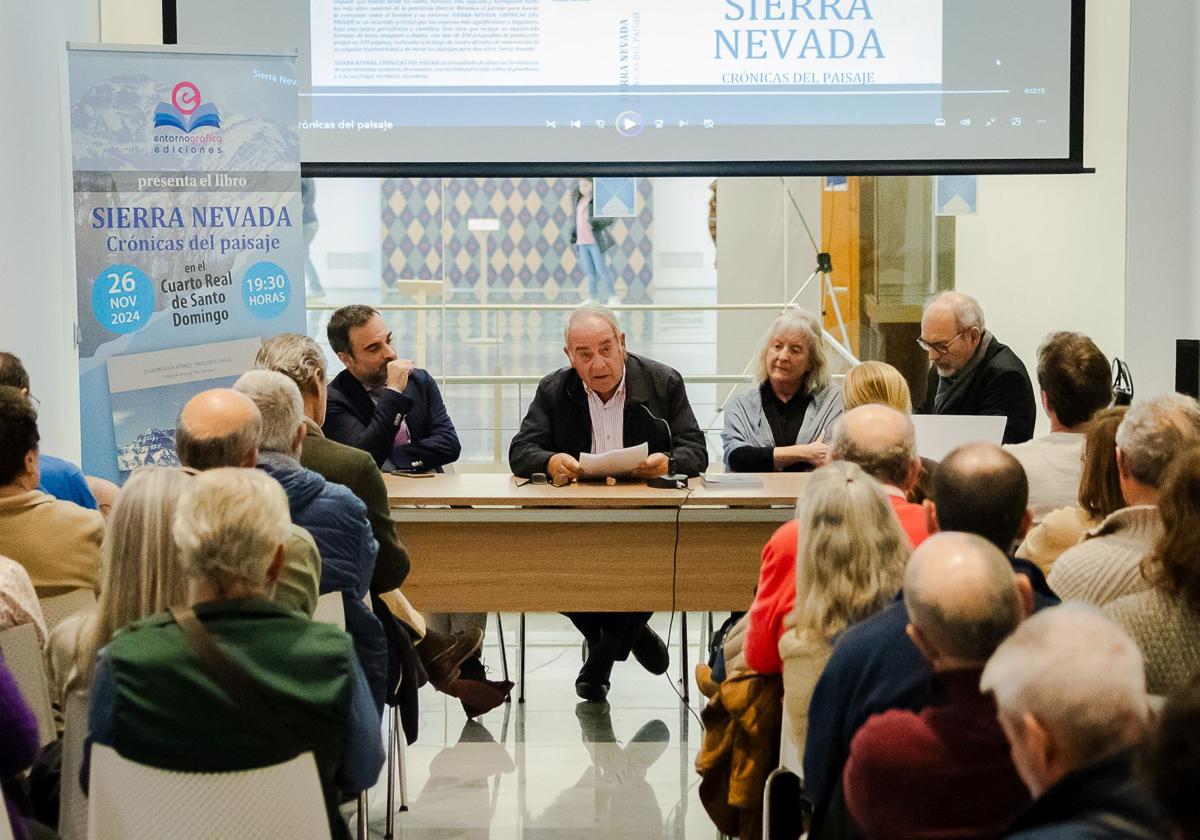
(592,240)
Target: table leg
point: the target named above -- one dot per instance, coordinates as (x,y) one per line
(683,657)
(521,656)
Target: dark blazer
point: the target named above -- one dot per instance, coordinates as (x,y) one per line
(355,469)
(558,419)
(1100,801)
(1001,387)
(353,418)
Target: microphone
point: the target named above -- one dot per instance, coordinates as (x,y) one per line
(672,480)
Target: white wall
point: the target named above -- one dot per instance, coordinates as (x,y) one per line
(1047,253)
(37,281)
(1164,190)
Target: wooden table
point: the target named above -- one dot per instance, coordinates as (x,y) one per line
(490,543)
(481,543)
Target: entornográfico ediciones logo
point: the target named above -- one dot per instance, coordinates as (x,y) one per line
(175,122)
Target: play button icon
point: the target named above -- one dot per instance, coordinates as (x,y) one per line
(629,123)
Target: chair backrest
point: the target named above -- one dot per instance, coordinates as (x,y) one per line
(6,831)
(58,607)
(130,801)
(23,655)
(73,803)
(331,609)
(790,757)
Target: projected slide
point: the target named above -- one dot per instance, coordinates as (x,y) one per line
(628,64)
(614,81)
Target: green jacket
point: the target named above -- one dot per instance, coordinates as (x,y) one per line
(355,468)
(300,581)
(154,702)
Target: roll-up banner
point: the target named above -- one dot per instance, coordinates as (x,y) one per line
(188,233)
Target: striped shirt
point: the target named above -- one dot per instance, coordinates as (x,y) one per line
(608,419)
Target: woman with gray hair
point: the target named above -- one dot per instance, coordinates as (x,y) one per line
(781,425)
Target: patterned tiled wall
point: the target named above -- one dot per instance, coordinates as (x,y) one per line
(530,259)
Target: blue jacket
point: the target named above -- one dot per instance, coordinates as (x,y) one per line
(353,418)
(337,521)
(64,481)
(874,667)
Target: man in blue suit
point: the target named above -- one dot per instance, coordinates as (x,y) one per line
(384,404)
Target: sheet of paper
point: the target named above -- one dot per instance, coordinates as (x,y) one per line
(616,463)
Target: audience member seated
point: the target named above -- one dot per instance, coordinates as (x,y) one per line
(143,575)
(1106,565)
(1171,761)
(155,700)
(18,601)
(394,411)
(300,359)
(883,442)
(57,542)
(1071,695)
(958,778)
(1074,379)
(781,425)
(60,479)
(1099,495)
(971,372)
(382,403)
(1164,620)
(20,746)
(849,565)
(608,399)
(876,383)
(879,440)
(221,428)
(336,518)
(978,489)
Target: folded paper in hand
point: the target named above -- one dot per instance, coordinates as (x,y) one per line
(616,463)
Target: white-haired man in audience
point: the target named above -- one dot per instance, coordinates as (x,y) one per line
(1073,375)
(450,660)
(963,599)
(1106,564)
(883,442)
(336,518)
(1071,694)
(220,428)
(970,371)
(157,701)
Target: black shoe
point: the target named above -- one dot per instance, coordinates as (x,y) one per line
(651,652)
(593,680)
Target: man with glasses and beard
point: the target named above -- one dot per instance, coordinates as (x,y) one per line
(971,373)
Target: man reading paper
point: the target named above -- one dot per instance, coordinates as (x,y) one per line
(608,399)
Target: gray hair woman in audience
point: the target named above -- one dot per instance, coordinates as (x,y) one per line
(781,424)
(142,574)
(850,562)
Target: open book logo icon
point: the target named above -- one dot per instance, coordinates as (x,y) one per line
(185,110)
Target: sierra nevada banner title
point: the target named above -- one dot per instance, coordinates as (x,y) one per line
(188,234)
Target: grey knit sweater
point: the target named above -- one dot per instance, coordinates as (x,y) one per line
(1106,564)
(1168,632)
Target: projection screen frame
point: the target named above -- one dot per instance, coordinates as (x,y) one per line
(1070,165)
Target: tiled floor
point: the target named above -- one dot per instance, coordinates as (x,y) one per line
(554,768)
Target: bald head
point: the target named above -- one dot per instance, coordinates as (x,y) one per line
(882,441)
(981,489)
(218,428)
(962,599)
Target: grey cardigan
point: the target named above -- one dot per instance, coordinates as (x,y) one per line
(746,423)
